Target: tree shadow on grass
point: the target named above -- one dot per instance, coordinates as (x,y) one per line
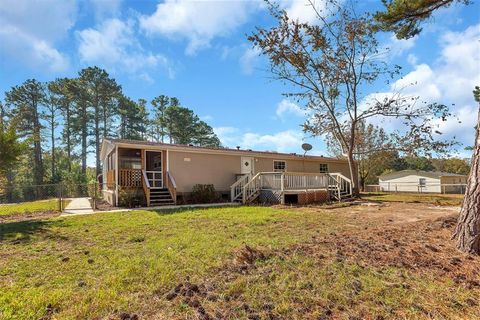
(162,212)
(23,231)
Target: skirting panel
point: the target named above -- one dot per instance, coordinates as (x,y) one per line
(270,196)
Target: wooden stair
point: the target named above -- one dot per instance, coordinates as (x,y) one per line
(160,197)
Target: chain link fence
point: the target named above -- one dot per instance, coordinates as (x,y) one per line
(48,197)
(417,188)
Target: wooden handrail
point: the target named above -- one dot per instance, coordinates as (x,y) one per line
(146,186)
(172,186)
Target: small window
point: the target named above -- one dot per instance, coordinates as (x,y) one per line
(323,168)
(422,182)
(279,166)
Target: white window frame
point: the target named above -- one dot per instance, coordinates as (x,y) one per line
(320,168)
(279,170)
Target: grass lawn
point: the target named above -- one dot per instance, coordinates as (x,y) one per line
(436,199)
(29,207)
(187,264)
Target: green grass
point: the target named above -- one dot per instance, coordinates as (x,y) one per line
(436,199)
(29,207)
(98,265)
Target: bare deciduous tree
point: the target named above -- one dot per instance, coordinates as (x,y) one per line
(333,65)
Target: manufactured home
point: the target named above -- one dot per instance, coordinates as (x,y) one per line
(423,181)
(166,173)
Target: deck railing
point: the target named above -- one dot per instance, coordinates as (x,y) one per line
(110,179)
(146,187)
(293,180)
(172,186)
(130,178)
(236,189)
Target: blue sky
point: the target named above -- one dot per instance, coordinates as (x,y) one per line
(198,52)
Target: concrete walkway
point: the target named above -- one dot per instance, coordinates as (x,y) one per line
(78,206)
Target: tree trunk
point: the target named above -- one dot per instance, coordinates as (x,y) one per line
(52,133)
(467,232)
(353,174)
(97,136)
(37,147)
(84,139)
(68,131)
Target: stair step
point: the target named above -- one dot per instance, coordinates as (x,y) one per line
(160,195)
(161,200)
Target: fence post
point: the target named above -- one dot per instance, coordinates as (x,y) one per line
(60,204)
(95,196)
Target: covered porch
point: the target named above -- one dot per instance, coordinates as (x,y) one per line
(146,170)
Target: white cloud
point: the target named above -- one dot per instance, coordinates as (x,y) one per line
(250,59)
(206,118)
(287,108)
(412,59)
(113,44)
(283,141)
(396,47)
(106,8)
(450,81)
(26,36)
(302,10)
(199,22)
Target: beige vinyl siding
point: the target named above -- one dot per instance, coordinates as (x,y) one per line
(410,183)
(266,165)
(222,170)
(203,168)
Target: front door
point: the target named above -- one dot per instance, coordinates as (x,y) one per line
(154,169)
(247,165)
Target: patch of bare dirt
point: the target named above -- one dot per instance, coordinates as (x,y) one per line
(29,216)
(412,237)
(102,205)
(420,247)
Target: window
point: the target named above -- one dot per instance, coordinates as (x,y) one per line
(323,168)
(130,163)
(279,166)
(422,182)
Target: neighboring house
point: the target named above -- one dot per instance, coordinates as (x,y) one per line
(166,173)
(423,181)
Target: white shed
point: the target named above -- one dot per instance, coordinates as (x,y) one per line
(422,181)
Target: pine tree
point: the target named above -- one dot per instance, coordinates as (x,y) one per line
(159,125)
(50,114)
(61,91)
(27,100)
(100,91)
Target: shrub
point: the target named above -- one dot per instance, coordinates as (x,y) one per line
(129,197)
(204,193)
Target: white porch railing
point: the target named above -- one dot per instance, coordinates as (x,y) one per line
(340,185)
(236,189)
(289,181)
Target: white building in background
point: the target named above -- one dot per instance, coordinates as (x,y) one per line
(422,181)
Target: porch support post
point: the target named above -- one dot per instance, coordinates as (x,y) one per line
(116,175)
(168,162)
